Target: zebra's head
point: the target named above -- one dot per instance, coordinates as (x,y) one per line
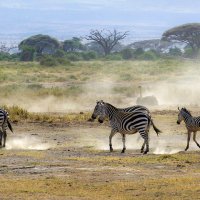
(99,110)
(182,112)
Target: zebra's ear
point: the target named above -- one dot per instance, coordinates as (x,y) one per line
(178,108)
(101,102)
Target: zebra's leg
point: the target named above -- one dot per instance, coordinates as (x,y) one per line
(4,134)
(188,140)
(1,136)
(145,136)
(124,141)
(142,149)
(194,138)
(147,145)
(113,132)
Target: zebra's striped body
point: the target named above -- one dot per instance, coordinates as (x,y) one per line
(135,108)
(192,124)
(4,124)
(124,123)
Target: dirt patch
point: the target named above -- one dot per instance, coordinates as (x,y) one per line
(59,161)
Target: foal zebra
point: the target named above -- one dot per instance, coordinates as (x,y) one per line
(4,123)
(125,123)
(192,124)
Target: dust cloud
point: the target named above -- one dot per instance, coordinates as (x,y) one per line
(174,90)
(164,144)
(26,143)
(182,90)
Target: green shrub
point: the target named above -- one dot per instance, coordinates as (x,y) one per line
(48,61)
(60,53)
(114,57)
(148,55)
(27,53)
(127,54)
(74,57)
(175,52)
(89,55)
(63,61)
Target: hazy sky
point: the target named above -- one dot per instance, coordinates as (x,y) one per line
(145,19)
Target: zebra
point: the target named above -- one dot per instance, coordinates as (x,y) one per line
(130,109)
(125,123)
(4,123)
(192,124)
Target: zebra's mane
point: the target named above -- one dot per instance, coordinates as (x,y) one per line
(110,105)
(187,111)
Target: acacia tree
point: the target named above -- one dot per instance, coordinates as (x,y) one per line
(73,45)
(42,44)
(187,33)
(106,39)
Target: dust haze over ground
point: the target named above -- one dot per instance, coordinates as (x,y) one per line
(170,91)
(26,143)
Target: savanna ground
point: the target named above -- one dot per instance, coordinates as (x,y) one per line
(55,153)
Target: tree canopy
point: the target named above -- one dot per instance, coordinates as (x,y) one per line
(73,45)
(43,44)
(186,33)
(106,39)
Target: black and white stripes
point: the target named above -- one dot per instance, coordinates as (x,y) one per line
(192,124)
(4,123)
(125,123)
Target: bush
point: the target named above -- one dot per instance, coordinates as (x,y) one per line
(27,53)
(138,52)
(175,52)
(114,57)
(74,56)
(48,61)
(60,53)
(127,54)
(89,55)
(188,53)
(62,61)
(148,55)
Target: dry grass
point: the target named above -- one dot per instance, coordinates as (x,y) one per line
(178,187)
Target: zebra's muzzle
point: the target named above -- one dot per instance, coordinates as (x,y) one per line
(178,122)
(93,116)
(100,120)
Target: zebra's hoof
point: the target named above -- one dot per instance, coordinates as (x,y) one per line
(123,151)
(142,151)
(145,152)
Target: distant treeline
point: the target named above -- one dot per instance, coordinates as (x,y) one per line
(181,41)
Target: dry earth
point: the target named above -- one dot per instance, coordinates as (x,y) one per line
(62,161)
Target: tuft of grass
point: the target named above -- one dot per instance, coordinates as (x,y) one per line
(18,114)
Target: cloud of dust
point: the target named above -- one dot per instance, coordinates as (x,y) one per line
(92,91)
(165,147)
(26,142)
(132,142)
(164,144)
(176,90)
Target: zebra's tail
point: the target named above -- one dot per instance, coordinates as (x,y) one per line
(6,115)
(155,128)
(9,125)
